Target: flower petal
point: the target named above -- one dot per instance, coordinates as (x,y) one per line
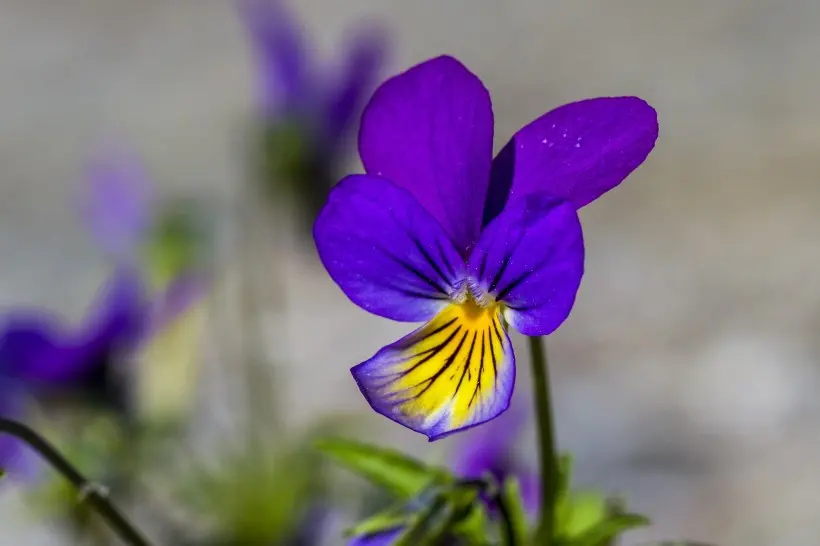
(455,372)
(430,130)
(278,44)
(32,350)
(531,258)
(578,151)
(117,319)
(385,251)
(117,209)
(349,90)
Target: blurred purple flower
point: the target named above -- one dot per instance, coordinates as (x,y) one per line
(291,86)
(491,449)
(41,357)
(308,111)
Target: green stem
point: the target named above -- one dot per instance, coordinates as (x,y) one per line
(88,491)
(545,533)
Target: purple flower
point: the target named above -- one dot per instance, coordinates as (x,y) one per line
(489,449)
(41,357)
(439,232)
(291,86)
(307,110)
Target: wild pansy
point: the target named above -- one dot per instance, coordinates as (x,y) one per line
(491,449)
(164,244)
(41,356)
(307,111)
(438,231)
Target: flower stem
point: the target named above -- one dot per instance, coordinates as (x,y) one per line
(89,492)
(545,532)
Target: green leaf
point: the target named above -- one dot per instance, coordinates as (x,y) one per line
(513,503)
(473,526)
(384,521)
(605,531)
(404,476)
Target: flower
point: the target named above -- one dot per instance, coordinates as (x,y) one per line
(307,111)
(439,232)
(489,449)
(40,357)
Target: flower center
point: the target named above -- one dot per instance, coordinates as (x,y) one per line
(472,297)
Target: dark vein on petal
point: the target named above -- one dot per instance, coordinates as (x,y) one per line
(466,367)
(430,261)
(445,260)
(449,362)
(431,353)
(477,389)
(514,284)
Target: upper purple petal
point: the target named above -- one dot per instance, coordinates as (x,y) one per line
(117,209)
(117,319)
(281,54)
(578,151)
(384,538)
(385,251)
(349,91)
(430,131)
(531,258)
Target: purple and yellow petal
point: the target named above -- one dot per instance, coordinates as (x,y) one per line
(455,372)
(388,255)
(578,151)
(531,260)
(430,130)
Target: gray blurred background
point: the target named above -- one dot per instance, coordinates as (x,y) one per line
(686,377)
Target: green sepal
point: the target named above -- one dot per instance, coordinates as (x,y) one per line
(517,514)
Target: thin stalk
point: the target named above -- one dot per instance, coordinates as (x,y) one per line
(89,492)
(545,532)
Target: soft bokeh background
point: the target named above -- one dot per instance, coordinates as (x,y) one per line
(686,377)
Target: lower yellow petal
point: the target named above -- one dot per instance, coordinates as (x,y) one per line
(455,372)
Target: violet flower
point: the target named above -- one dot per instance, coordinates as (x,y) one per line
(307,111)
(439,232)
(41,357)
(490,449)
(44,358)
